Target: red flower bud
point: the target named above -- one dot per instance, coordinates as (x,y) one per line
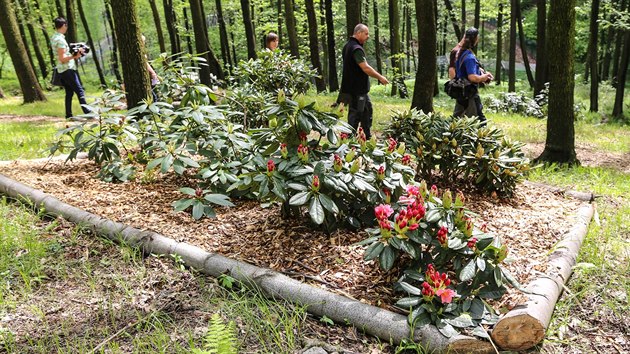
(271,166)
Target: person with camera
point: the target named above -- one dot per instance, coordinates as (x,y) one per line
(467,66)
(66,65)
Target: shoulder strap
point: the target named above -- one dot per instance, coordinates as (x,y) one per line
(461,60)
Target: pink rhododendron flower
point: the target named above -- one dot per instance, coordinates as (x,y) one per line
(446,295)
(406,159)
(271,166)
(413,190)
(472,242)
(383,211)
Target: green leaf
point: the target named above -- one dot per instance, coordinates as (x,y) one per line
(420,317)
(373,251)
(166,163)
(468,272)
(328,204)
(447,330)
(197,211)
(498,276)
(409,302)
(316,210)
(410,289)
(387,258)
(182,204)
(188,191)
(219,199)
(188,161)
(481,263)
(151,165)
(477,309)
(432,216)
(479,331)
(462,321)
(300,198)
(491,294)
(297,186)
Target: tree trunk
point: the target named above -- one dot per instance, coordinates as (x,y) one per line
(560,143)
(333,81)
(607,48)
(202,45)
(88,34)
(234,56)
(289,18)
(158,26)
(110,22)
(59,7)
(498,71)
(512,64)
(521,36)
(322,39)
(28,16)
(31,90)
(622,76)
(377,40)
(71,35)
(463,15)
(398,84)
(592,63)
(1,93)
(171,22)
(133,56)
(223,36)
(427,61)
(408,34)
(541,59)
(353,15)
(279,7)
(617,54)
(478,14)
(449,9)
(249,30)
(187,28)
(20,21)
(44,32)
(314,45)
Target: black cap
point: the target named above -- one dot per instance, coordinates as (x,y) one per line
(472,32)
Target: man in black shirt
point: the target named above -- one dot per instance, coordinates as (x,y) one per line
(355,83)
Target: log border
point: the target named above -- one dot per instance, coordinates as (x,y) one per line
(384,324)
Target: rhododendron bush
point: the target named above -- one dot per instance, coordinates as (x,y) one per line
(449,266)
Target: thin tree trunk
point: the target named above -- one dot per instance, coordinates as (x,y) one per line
(71,35)
(134,60)
(97,62)
(512,64)
(223,36)
(377,40)
(188,30)
(20,22)
(44,32)
(279,8)
(202,45)
(592,63)
(233,41)
(322,39)
(158,26)
(521,36)
(394,24)
(333,81)
(477,13)
(31,90)
(43,67)
(622,76)
(463,15)
(617,54)
(110,22)
(1,93)
(314,44)
(59,7)
(171,21)
(560,142)
(499,67)
(353,15)
(289,18)
(541,59)
(449,9)
(427,61)
(607,48)
(249,30)
(408,34)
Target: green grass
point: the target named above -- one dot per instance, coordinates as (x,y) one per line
(54,106)
(26,140)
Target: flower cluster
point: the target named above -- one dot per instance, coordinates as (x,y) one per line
(406,159)
(437,284)
(271,166)
(302,152)
(380,175)
(303,136)
(442,236)
(383,212)
(391,145)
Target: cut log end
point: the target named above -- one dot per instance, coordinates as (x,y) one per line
(518,332)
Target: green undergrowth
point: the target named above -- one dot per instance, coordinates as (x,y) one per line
(26,140)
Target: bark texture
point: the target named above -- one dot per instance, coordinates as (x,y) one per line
(289,19)
(512,64)
(133,56)
(622,76)
(560,142)
(223,37)
(333,80)
(313,44)
(521,39)
(171,22)
(88,34)
(449,9)
(249,30)
(498,71)
(353,15)
(541,59)
(158,26)
(427,60)
(31,89)
(525,326)
(202,45)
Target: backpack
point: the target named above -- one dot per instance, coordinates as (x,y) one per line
(460,88)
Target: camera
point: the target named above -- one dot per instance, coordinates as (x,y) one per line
(76,47)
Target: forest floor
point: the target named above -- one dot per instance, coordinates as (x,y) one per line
(530,223)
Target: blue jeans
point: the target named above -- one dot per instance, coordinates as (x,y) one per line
(72,83)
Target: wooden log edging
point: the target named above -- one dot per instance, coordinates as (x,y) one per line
(585,196)
(387,325)
(525,325)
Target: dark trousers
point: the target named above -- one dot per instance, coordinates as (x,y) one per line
(470,107)
(72,83)
(356,116)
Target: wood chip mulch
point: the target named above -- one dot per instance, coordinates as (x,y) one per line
(530,224)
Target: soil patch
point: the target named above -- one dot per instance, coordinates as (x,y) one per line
(7,118)
(530,224)
(589,156)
